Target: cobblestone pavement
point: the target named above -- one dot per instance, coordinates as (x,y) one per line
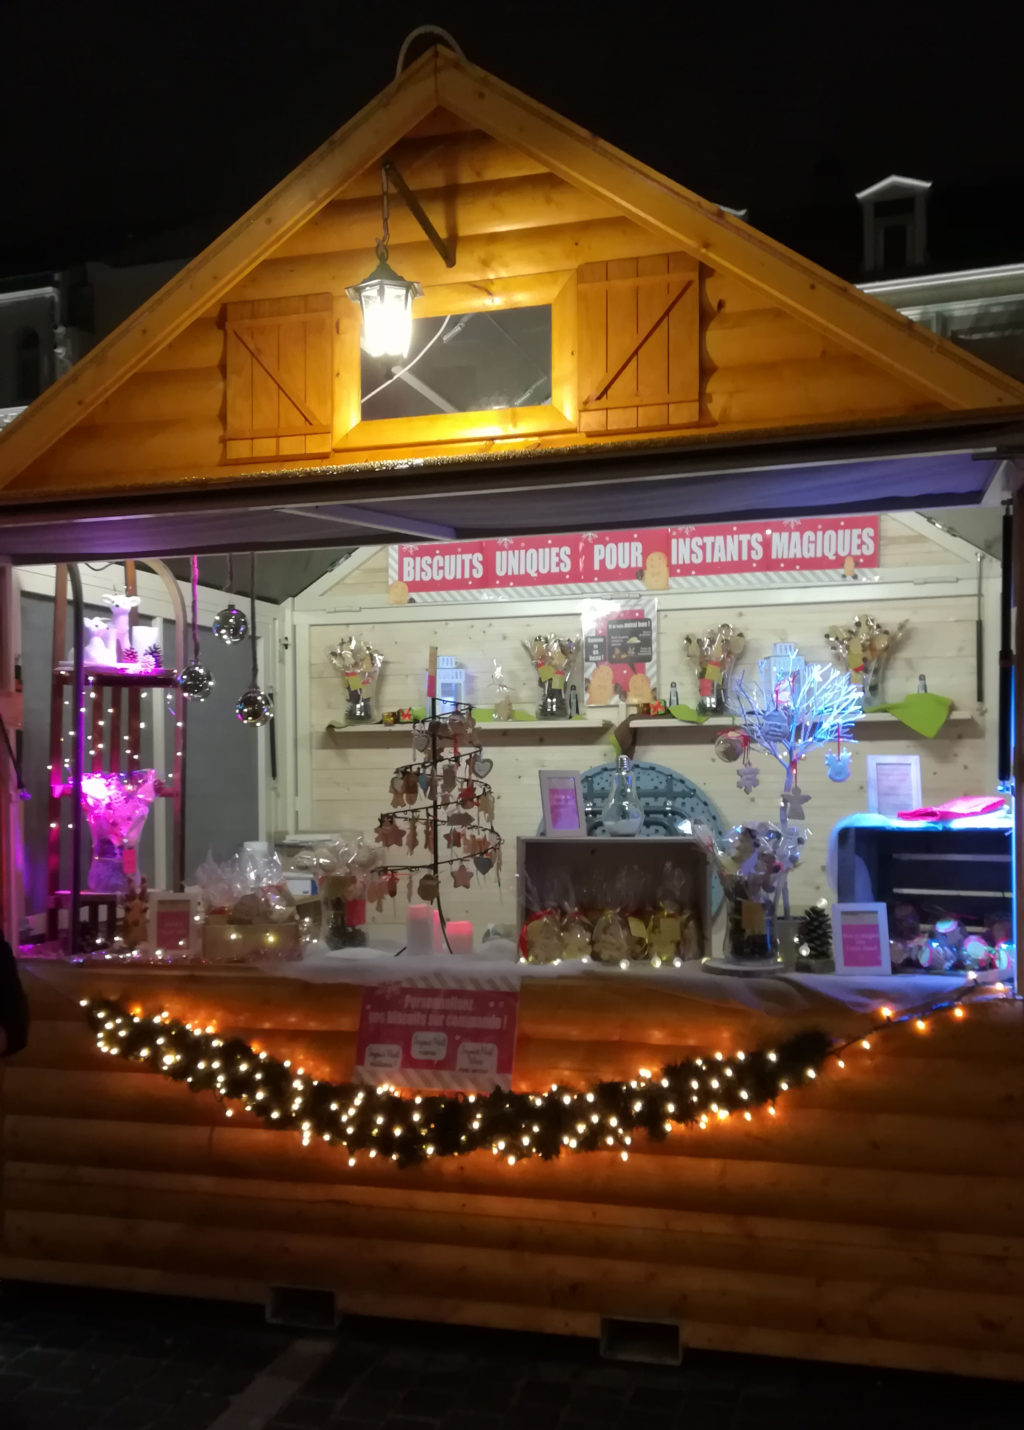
(79,1360)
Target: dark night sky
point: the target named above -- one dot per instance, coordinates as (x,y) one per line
(118,118)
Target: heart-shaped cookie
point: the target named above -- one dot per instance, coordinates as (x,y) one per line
(482,767)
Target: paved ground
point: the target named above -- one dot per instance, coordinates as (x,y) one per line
(75,1360)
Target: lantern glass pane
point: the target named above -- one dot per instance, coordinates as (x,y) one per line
(481,362)
(387,319)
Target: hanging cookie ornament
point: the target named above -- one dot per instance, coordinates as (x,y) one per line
(254,706)
(748,777)
(230,624)
(462,878)
(837,763)
(195,680)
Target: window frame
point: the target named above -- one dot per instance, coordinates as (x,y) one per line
(557,290)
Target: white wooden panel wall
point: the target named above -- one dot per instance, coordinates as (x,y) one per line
(348,775)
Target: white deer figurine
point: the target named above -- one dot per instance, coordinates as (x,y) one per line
(100,648)
(124,639)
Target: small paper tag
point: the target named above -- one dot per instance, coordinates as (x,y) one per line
(705,687)
(354,680)
(558,681)
(637,927)
(545,672)
(671,927)
(752,916)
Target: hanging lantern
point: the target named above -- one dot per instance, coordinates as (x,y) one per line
(254,707)
(385,300)
(195,680)
(230,625)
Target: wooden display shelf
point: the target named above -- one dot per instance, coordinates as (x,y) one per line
(504,727)
(106,677)
(662,723)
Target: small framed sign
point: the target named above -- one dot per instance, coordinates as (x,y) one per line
(561,797)
(860,938)
(894,784)
(173,931)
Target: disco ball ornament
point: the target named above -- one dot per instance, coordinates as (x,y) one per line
(230,625)
(196,682)
(254,707)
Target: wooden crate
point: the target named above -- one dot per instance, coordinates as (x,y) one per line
(548,869)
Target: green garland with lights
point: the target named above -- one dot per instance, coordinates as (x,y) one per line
(409,1129)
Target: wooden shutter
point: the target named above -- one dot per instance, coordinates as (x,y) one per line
(278,378)
(639,343)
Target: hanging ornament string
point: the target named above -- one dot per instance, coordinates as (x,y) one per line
(195,680)
(252,617)
(382,246)
(195,610)
(254,707)
(229,625)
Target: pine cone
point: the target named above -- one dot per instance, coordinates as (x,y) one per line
(154,654)
(131,655)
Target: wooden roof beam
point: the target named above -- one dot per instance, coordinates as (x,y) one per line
(716,238)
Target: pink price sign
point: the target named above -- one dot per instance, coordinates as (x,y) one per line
(445,1038)
(861,938)
(862,945)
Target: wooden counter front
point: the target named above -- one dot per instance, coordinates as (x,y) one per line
(877,1219)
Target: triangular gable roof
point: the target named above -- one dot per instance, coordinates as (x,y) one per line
(441,79)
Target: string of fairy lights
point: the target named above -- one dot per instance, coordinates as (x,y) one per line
(383,1122)
(92,750)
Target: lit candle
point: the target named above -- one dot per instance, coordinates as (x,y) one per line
(460,935)
(419,937)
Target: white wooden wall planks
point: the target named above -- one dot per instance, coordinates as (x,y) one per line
(343,778)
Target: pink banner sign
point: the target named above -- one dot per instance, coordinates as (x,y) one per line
(442,1038)
(654,558)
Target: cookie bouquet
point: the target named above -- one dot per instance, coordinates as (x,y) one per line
(359,664)
(713,655)
(863,648)
(552,658)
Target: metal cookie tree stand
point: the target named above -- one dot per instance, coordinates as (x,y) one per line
(440,802)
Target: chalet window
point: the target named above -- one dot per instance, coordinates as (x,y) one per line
(464,362)
(502,365)
(279,362)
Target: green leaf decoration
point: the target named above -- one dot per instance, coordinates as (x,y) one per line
(922,712)
(687,713)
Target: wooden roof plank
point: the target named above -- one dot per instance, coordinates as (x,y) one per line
(860,324)
(864,323)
